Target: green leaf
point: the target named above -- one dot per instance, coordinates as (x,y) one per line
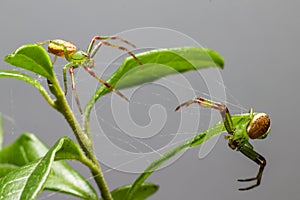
(28,79)
(6,168)
(146,190)
(34,58)
(34,172)
(159,63)
(163,62)
(156,64)
(70,150)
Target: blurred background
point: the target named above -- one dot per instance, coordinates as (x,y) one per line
(259,42)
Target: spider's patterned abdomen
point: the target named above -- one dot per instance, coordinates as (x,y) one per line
(259,125)
(57,47)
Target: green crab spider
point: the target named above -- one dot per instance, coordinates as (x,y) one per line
(77,58)
(238,136)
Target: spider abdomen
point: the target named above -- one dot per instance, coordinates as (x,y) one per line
(58,46)
(259,125)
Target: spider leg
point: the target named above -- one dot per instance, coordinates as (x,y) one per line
(71,71)
(108,38)
(187,103)
(257,158)
(54,60)
(215,105)
(44,42)
(94,51)
(93,74)
(65,76)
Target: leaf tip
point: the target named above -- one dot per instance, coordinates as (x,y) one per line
(8,57)
(32,57)
(217,58)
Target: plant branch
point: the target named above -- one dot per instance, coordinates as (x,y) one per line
(84,141)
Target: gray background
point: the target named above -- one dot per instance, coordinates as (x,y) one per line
(259,41)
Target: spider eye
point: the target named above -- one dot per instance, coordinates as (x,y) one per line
(258,126)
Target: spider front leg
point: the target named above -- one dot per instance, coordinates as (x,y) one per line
(108,38)
(260,160)
(215,105)
(93,51)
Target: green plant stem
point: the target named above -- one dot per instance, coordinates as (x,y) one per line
(86,119)
(98,176)
(86,144)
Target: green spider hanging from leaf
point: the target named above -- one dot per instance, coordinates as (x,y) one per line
(238,136)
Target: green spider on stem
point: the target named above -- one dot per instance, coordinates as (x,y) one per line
(77,58)
(238,138)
